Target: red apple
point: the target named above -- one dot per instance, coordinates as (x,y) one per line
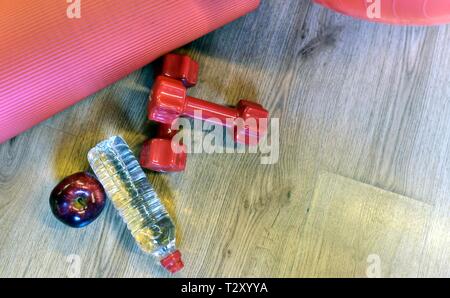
(78,200)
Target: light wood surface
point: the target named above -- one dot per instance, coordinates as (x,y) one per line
(358,100)
(357,230)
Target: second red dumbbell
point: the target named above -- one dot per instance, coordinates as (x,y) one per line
(169,100)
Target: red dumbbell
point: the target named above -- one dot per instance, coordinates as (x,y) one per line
(157,154)
(169,100)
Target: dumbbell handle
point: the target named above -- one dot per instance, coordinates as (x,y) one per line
(165,131)
(210,112)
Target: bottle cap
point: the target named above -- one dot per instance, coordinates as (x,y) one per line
(173,262)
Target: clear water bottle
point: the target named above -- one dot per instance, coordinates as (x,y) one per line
(137,202)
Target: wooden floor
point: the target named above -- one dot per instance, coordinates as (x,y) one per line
(367,102)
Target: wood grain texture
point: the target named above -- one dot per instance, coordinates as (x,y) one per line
(364,101)
(357,230)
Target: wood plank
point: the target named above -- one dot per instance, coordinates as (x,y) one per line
(357,230)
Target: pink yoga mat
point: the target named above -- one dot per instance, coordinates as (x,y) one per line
(50,59)
(404,12)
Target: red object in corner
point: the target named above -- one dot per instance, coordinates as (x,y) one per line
(173,262)
(403,12)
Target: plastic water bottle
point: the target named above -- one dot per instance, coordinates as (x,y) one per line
(137,202)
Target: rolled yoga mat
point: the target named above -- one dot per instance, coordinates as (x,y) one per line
(404,12)
(55,53)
